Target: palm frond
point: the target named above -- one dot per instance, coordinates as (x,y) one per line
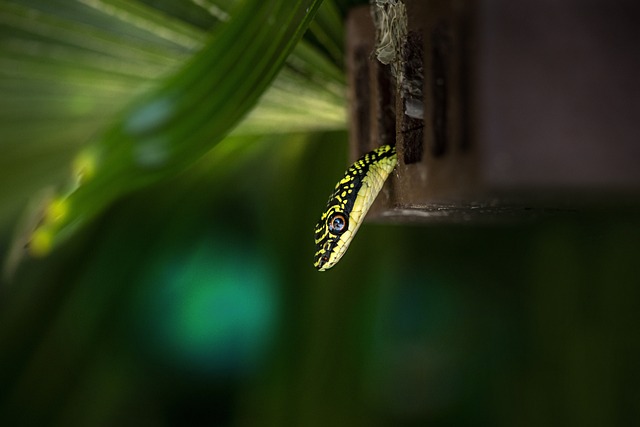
(144,89)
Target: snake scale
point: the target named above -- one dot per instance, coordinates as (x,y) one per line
(348,205)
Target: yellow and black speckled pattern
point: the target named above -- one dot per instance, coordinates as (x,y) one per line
(349,204)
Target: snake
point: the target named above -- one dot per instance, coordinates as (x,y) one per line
(349,203)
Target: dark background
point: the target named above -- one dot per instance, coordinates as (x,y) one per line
(194,301)
(181,310)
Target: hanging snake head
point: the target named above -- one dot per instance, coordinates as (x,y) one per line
(333,234)
(353,196)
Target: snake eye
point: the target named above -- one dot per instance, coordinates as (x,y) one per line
(337,223)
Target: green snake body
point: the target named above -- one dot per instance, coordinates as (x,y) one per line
(348,205)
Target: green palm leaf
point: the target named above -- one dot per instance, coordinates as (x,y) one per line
(72,69)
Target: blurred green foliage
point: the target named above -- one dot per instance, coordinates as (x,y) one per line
(191,299)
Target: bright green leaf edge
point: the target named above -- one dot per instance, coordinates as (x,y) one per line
(174,125)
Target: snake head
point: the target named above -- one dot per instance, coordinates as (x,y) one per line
(353,196)
(332,238)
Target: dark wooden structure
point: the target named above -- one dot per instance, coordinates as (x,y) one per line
(527,107)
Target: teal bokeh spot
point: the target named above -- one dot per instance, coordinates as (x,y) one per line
(209,310)
(150,116)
